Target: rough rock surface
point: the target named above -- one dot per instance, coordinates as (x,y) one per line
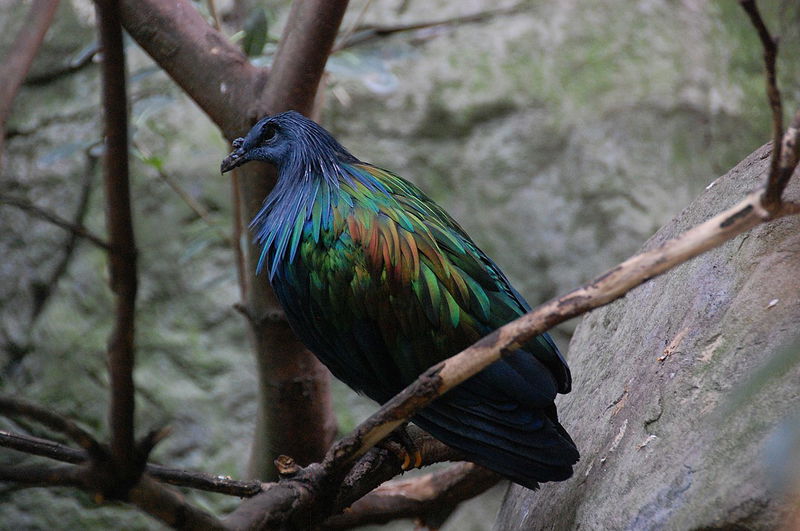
(667,413)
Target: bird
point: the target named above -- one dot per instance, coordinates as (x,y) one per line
(380,283)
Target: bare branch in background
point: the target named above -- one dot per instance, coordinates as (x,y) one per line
(773,94)
(58,221)
(190,201)
(16,66)
(42,476)
(15,407)
(357,36)
(79,62)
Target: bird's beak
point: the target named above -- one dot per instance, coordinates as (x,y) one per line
(236,158)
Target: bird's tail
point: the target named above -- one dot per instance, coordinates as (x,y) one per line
(526,445)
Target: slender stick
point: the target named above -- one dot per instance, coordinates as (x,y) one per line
(122,259)
(58,221)
(16,407)
(772,195)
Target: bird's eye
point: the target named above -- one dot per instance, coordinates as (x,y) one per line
(237,143)
(268,132)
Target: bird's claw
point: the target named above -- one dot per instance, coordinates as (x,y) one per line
(403,447)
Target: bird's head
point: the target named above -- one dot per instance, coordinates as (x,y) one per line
(286,139)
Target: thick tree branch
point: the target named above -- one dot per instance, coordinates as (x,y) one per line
(20,58)
(170,507)
(310,495)
(212,71)
(429,498)
(295,415)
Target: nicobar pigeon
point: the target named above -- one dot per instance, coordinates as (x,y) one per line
(381,283)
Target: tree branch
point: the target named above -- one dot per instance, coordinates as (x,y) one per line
(16,407)
(359,36)
(43,476)
(173,476)
(21,55)
(772,195)
(56,220)
(604,289)
(122,259)
(212,71)
(295,415)
(310,495)
(170,507)
(429,498)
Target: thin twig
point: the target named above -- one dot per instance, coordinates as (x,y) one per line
(352,28)
(18,62)
(122,260)
(190,201)
(56,220)
(76,64)
(365,34)
(181,478)
(16,407)
(212,10)
(45,289)
(772,195)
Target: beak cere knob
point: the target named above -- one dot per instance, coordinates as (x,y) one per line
(235,158)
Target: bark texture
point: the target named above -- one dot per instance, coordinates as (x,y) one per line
(671,422)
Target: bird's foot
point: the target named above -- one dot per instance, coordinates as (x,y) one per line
(400,443)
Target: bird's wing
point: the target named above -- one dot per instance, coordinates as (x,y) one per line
(457,279)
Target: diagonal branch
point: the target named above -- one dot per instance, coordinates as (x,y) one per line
(429,498)
(213,71)
(20,58)
(15,407)
(58,221)
(357,36)
(604,289)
